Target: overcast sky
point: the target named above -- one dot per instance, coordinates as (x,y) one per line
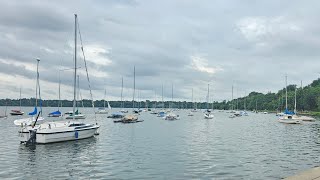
(188,43)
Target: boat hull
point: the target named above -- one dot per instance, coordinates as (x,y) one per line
(16,114)
(27,121)
(102,112)
(289,121)
(52,137)
(208,116)
(76,117)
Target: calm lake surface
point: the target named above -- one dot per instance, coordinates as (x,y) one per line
(252,147)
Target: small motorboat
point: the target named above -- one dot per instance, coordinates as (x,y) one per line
(154,112)
(208,115)
(116,115)
(190,113)
(16,113)
(288,119)
(77,116)
(68,113)
(124,111)
(102,111)
(232,116)
(171,117)
(161,114)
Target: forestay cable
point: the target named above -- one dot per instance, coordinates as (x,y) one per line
(85,64)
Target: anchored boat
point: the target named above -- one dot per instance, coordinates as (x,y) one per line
(50,132)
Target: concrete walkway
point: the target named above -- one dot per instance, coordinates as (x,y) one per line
(311,174)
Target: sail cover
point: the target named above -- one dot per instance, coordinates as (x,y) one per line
(34,111)
(55,113)
(288,112)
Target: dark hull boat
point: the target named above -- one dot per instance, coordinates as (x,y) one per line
(16,113)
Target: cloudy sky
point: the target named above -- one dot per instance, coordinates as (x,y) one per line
(187,43)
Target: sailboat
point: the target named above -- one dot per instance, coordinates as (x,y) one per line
(162,113)
(154,111)
(122,104)
(171,116)
(193,110)
(208,114)
(104,110)
(32,119)
(244,112)
(232,107)
(131,118)
(5,112)
(57,113)
(298,117)
(287,118)
(77,114)
(50,132)
(17,112)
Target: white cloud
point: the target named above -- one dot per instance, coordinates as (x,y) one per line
(97,54)
(262,29)
(46,49)
(201,64)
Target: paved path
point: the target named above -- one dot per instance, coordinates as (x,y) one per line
(311,174)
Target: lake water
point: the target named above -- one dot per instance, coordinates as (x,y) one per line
(252,147)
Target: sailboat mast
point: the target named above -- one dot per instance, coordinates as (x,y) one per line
(162,96)
(192,98)
(134,84)
(295,100)
(5,112)
(75,66)
(121,92)
(286,94)
(171,95)
(245,104)
(256,105)
(232,99)
(59,90)
(155,98)
(38,60)
(208,98)
(20,99)
(104,99)
(78,94)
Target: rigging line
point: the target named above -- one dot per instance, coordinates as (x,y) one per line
(40,100)
(85,64)
(81,99)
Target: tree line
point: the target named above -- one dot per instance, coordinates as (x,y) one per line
(308,99)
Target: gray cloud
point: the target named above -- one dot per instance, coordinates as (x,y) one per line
(185,43)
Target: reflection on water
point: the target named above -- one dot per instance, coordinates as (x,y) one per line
(253,147)
(39,159)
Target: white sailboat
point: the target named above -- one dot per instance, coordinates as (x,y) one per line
(103,110)
(192,110)
(154,111)
(208,114)
(232,109)
(50,132)
(244,112)
(28,121)
(171,116)
(77,114)
(298,117)
(288,117)
(162,113)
